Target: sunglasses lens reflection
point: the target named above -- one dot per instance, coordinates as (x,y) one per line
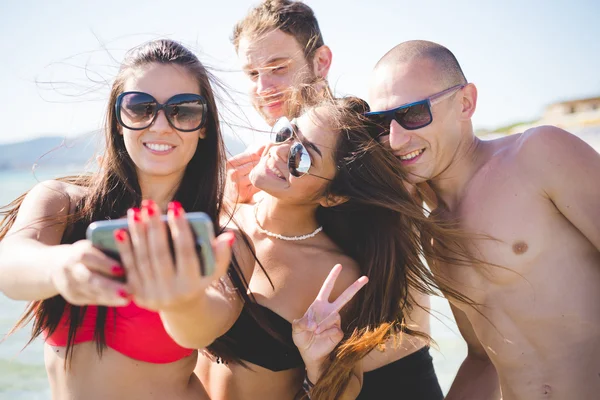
(299,160)
(137,110)
(282,131)
(414,117)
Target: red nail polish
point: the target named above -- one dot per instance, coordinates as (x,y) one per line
(149,206)
(137,216)
(118,270)
(174,204)
(176,207)
(150,210)
(231,239)
(122,293)
(120,235)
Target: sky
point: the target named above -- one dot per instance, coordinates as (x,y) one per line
(58,58)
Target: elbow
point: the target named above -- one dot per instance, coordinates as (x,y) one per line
(5,286)
(188,340)
(6,283)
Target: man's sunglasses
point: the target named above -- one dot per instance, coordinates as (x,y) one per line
(138,110)
(299,159)
(411,116)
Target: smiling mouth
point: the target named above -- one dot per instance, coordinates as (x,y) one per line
(412,155)
(272,100)
(273,104)
(159,147)
(276,172)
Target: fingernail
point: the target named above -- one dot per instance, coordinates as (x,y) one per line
(117,270)
(120,235)
(137,217)
(122,293)
(231,239)
(149,206)
(176,208)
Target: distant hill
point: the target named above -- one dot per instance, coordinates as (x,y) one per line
(56,151)
(49,151)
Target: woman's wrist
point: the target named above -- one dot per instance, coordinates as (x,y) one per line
(307,385)
(313,373)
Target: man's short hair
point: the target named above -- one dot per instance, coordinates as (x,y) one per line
(448,68)
(292,17)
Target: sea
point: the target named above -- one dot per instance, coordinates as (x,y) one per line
(22,373)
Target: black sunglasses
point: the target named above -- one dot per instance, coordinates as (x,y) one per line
(299,159)
(411,116)
(185,112)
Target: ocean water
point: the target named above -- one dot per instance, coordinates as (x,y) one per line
(22,373)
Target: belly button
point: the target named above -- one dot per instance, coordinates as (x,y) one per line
(520,247)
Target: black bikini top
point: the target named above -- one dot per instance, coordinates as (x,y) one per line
(250,342)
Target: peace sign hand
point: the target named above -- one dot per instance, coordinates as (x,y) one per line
(318,332)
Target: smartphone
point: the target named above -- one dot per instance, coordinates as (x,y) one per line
(100,233)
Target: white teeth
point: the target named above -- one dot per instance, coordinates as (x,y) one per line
(412,155)
(277,173)
(158,147)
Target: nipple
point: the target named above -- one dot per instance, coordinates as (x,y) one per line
(520,247)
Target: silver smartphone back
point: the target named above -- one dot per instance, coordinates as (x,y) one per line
(100,233)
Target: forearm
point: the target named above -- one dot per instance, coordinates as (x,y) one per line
(25,269)
(200,321)
(352,390)
(476,379)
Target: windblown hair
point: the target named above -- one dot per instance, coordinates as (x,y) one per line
(115,189)
(292,17)
(384,229)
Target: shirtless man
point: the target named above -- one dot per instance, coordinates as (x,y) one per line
(536,331)
(280,47)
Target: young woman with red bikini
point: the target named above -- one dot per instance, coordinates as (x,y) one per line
(164,151)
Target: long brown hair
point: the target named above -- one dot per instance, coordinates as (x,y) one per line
(115,188)
(384,229)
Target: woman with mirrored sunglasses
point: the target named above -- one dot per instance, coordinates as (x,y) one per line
(299,160)
(331,195)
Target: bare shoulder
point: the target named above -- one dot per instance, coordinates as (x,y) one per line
(537,144)
(546,150)
(55,196)
(243,248)
(350,270)
(42,208)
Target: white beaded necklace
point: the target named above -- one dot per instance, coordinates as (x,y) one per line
(282,237)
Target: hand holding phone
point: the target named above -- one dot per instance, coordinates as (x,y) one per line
(102,236)
(169,265)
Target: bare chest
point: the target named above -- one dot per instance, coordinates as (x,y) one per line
(287,278)
(517,237)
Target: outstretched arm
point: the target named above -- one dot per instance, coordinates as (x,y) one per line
(193,309)
(35,266)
